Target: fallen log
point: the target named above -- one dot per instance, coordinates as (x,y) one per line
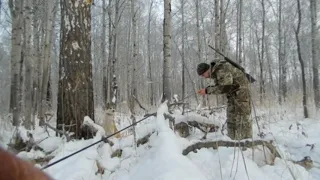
(245,144)
(19,144)
(117,153)
(306,162)
(42,160)
(183,128)
(144,139)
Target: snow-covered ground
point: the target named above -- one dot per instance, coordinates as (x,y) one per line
(162,159)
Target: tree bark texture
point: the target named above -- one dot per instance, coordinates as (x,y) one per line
(315,60)
(28,64)
(75,91)
(16,43)
(303,75)
(167,41)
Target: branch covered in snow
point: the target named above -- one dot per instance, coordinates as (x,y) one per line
(144,139)
(43,160)
(62,133)
(95,128)
(183,128)
(140,105)
(246,144)
(306,162)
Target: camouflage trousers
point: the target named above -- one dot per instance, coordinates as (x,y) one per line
(239,123)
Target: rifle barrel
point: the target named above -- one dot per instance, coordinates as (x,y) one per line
(249,77)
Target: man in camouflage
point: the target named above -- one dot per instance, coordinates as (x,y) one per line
(232,82)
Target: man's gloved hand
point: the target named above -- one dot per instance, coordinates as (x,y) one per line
(202,91)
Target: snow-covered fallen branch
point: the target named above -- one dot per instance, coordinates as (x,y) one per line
(246,144)
(139,103)
(60,132)
(95,128)
(43,160)
(144,139)
(183,128)
(22,143)
(306,162)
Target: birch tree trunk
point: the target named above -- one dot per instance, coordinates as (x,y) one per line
(108,121)
(113,77)
(134,58)
(151,88)
(223,33)
(216,35)
(280,52)
(182,2)
(128,62)
(304,88)
(239,34)
(269,61)
(36,48)
(262,88)
(315,60)
(107,73)
(28,64)
(36,56)
(16,42)
(199,52)
(134,62)
(46,61)
(167,69)
(217,28)
(75,92)
(103,51)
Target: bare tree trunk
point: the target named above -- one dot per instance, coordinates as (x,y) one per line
(297,31)
(75,93)
(16,42)
(284,67)
(223,33)
(46,64)
(36,54)
(103,52)
(269,60)
(151,88)
(315,61)
(199,52)
(205,44)
(280,51)
(239,34)
(262,88)
(113,77)
(183,34)
(167,28)
(134,58)
(107,74)
(128,62)
(28,64)
(133,93)
(217,35)
(281,58)
(21,74)
(217,28)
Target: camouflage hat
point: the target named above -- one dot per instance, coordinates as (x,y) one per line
(202,67)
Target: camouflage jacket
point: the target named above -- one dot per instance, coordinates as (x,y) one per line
(228,79)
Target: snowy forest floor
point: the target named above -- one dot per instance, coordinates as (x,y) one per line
(161,157)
